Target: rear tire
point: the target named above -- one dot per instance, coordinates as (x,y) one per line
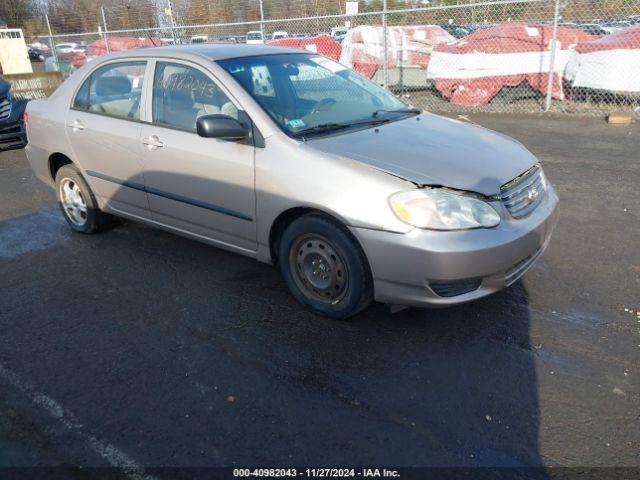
(324,267)
(78,204)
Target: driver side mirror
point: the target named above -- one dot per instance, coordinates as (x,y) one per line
(221,126)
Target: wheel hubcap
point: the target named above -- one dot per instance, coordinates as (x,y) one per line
(73,202)
(317,269)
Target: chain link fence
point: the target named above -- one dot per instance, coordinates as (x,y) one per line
(569,56)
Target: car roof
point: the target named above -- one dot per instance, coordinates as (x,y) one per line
(209,51)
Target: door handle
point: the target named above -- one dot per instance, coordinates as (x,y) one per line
(152,142)
(76,125)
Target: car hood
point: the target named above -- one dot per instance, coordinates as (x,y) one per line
(432,150)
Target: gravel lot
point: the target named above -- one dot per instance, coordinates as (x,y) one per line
(136,348)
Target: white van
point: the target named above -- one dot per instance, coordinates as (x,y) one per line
(279,35)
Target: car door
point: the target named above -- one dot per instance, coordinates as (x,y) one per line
(203,186)
(104,128)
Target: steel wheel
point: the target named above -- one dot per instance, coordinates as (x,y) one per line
(73,202)
(317,269)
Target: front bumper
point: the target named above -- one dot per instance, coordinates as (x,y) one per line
(407,267)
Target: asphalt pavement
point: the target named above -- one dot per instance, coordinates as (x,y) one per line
(136,348)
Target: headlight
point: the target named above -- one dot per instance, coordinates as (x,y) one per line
(439,209)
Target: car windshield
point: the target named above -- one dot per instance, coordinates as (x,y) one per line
(306,93)
(254,35)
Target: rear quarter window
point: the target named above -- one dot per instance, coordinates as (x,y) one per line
(113,89)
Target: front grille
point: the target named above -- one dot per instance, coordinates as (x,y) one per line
(10,129)
(11,136)
(524,193)
(5,108)
(453,289)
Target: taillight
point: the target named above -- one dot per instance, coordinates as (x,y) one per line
(25,119)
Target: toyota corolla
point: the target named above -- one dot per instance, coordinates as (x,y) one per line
(293,159)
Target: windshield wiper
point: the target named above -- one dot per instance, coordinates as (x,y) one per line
(401,110)
(323,127)
(329,127)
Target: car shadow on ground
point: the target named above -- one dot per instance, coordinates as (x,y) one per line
(165,327)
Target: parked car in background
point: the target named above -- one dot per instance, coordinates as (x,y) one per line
(293,159)
(66,47)
(39,45)
(12,131)
(279,35)
(615,26)
(38,54)
(199,39)
(338,33)
(228,39)
(474,27)
(592,29)
(456,30)
(255,37)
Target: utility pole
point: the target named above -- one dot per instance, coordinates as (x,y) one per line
(53,47)
(262,20)
(385,55)
(106,33)
(552,58)
(169,11)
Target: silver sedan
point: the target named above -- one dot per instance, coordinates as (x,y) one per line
(293,159)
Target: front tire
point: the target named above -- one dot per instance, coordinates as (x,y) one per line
(77,202)
(324,267)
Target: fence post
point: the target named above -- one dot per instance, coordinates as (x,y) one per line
(53,47)
(106,32)
(385,55)
(262,21)
(552,58)
(173,22)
